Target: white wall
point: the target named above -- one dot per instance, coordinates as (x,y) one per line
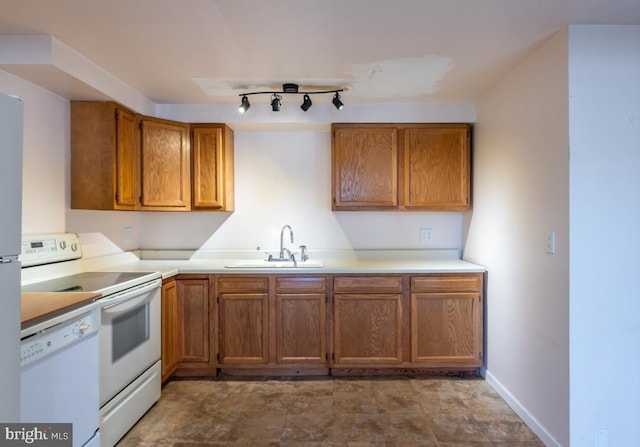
(604,87)
(45,156)
(521,192)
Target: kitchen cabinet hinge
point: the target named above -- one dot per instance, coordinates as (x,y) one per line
(326,356)
(117,197)
(218,356)
(117,114)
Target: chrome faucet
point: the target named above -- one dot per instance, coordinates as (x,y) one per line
(282,241)
(304,255)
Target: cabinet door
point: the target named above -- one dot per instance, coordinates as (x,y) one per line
(367,328)
(165,165)
(301,330)
(244,328)
(104,156)
(169,329)
(437,167)
(194,321)
(127,166)
(446,329)
(212,157)
(301,310)
(364,167)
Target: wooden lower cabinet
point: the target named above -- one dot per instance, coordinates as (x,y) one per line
(272,324)
(367,328)
(275,324)
(196,336)
(243,316)
(367,320)
(169,329)
(301,321)
(446,320)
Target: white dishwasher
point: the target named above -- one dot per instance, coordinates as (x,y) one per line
(59,373)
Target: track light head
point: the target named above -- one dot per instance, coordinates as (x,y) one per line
(336,101)
(306,103)
(275,102)
(244,105)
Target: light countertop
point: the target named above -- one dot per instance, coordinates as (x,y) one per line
(356,262)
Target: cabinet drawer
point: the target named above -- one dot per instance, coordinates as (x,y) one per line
(243,284)
(294,285)
(367,283)
(449,282)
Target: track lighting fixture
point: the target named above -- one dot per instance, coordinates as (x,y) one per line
(244,105)
(290,89)
(275,102)
(336,101)
(306,103)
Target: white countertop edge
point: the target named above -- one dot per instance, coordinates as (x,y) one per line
(344,254)
(214,261)
(168,268)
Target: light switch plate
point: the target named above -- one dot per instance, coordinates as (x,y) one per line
(551,243)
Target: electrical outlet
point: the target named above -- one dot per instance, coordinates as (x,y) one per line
(426,234)
(127,233)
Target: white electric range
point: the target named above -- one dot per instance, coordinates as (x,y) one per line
(129,326)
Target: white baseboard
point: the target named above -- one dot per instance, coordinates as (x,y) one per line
(521,411)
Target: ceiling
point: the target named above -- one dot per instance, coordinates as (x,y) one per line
(402,51)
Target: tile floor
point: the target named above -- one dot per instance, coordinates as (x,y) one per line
(337,412)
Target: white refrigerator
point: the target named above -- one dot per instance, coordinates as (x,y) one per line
(11,128)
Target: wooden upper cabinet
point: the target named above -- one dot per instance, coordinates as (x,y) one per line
(166,165)
(127,159)
(364,167)
(124,161)
(401,167)
(212,158)
(437,167)
(104,157)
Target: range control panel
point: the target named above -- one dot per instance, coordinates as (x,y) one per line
(48,248)
(48,341)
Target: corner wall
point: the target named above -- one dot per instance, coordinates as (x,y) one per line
(604,88)
(521,192)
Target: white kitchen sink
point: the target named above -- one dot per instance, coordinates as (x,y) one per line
(263,263)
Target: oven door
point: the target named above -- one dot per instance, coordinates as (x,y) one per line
(129,336)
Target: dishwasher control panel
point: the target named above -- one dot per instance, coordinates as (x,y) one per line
(48,341)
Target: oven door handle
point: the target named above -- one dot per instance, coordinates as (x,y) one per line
(129,298)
